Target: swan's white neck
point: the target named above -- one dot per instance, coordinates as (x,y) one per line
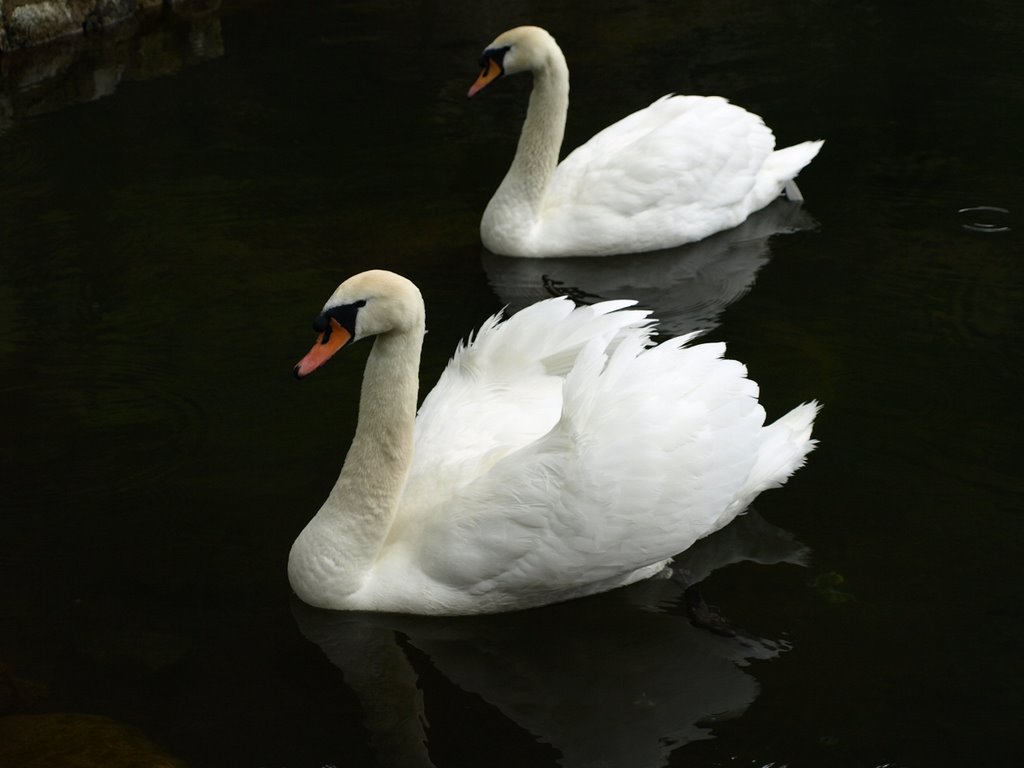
(336,550)
(518,203)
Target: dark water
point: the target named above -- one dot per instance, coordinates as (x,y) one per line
(163,249)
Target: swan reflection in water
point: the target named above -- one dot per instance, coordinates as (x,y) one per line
(688,287)
(620,679)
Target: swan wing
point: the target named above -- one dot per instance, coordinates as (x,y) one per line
(678,170)
(501,391)
(654,448)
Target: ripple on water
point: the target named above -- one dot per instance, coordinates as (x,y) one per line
(85,431)
(988,219)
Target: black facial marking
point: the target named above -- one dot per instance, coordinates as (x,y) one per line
(497,55)
(345,315)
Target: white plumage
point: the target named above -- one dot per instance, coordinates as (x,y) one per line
(560,454)
(675,172)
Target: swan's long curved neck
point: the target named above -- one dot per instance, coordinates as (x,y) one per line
(541,139)
(363,503)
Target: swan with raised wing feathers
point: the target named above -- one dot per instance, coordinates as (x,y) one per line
(561,453)
(675,172)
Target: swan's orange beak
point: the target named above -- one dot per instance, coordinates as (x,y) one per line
(327,343)
(488,74)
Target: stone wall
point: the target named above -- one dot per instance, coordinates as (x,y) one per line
(30,23)
(74,51)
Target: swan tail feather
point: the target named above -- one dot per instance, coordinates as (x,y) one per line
(787,441)
(785,164)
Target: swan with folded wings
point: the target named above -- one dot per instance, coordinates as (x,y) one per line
(674,172)
(561,453)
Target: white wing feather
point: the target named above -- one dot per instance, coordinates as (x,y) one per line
(677,171)
(503,389)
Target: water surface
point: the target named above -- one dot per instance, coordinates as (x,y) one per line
(167,236)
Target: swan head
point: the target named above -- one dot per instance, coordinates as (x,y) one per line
(523,49)
(368,304)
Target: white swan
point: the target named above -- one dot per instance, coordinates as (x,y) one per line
(681,169)
(559,455)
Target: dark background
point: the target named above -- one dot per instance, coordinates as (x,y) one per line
(163,250)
